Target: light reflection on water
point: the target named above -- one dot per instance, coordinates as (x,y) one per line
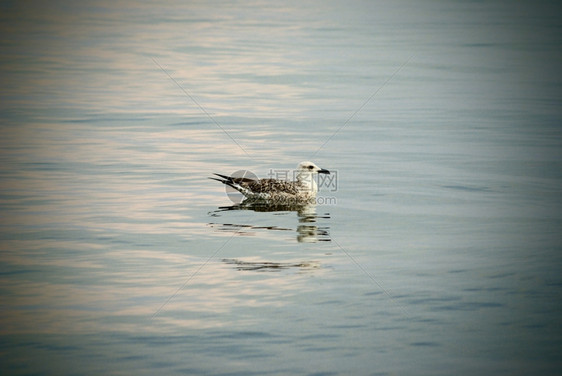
(115,256)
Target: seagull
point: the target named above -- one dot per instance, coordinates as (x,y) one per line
(302,190)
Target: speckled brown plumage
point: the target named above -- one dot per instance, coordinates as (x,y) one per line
(272,185)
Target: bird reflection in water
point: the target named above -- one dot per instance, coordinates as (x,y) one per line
(307,228)
(266,266)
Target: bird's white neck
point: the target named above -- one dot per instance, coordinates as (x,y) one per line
(308,181)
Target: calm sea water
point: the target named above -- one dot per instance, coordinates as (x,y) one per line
(435,248)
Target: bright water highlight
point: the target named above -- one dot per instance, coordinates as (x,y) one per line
(440,254)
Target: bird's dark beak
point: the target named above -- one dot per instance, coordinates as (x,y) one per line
(322,171)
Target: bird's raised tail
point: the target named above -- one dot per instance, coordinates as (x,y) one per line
(227,180)
(237,183)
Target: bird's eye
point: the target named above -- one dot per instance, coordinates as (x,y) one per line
(310,167)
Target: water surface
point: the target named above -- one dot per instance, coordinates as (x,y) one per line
(436,251)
